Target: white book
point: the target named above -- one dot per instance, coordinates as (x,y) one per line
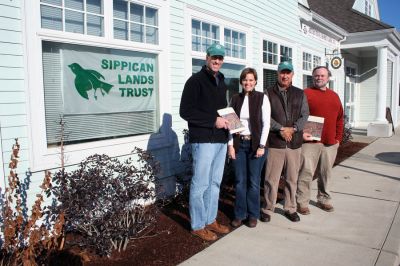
(314,126)
(234,122)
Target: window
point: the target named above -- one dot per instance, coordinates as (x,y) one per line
(232,36)
(66,33)
(92,114)
(286,54)
(203,35)
(231,73)
(235,43)
(135,22)
(270,77)
(307,61)
(270,53)
(316,61)
(307,81)
(273,54)
(84,17)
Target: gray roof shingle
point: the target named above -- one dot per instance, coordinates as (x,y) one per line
(342,14)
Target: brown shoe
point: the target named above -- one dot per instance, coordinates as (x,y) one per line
(252,222)
(265,218)
(303,210)
(325,207)
(205,234)
(236,223)
(218,228)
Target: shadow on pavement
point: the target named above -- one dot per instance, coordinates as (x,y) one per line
(389,157)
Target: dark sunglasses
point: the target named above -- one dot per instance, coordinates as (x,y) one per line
(219,57)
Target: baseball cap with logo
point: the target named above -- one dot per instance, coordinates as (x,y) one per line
(285,66)
(216,49)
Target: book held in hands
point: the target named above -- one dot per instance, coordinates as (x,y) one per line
(234,122)
(314,126)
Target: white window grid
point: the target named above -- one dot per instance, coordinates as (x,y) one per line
(235,43)
(270,52)
(131,24)
(286,54)
(204,35)
(271,55)
(62,6)
(307,61)
(316,61)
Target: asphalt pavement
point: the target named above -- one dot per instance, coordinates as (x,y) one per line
(363,230)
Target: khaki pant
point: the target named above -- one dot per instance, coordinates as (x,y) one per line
(278,160)
(318,159)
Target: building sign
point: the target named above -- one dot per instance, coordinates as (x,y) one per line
(336,62)
(108,83)
(307,30)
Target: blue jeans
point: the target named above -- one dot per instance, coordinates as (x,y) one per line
(247,181)
(208,168)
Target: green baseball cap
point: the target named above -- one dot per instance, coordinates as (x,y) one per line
(216,49)
(285,66)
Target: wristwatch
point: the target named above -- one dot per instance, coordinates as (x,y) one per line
(261,146)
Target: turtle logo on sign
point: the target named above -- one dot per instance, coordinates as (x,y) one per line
(87,79)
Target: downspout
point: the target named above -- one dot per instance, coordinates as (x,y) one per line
(344,79)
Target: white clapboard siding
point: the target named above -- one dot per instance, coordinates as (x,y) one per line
(13,111)
(368,81)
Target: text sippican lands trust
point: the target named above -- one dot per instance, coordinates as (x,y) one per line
(135,79)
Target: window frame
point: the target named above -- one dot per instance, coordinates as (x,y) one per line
(314,64)
(202,49)
(217,20)
(143,23)
(279,42)
(314,54)
(84,12)
(275,55)
(307,64)
(43,157)
(232,44)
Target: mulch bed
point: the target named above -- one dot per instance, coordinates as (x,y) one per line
(169,242)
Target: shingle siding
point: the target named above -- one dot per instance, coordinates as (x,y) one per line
(341,13)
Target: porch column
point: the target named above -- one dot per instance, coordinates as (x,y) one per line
(382,85)
(380,127)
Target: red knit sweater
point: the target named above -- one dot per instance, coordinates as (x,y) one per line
(327,104)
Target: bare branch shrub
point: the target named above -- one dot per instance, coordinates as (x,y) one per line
(106,200)
(26,241)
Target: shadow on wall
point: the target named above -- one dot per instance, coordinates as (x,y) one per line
(389,157)
(164,146)
(367,74)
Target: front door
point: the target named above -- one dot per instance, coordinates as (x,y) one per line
(349,95)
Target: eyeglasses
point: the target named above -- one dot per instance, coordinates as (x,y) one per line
(217,57)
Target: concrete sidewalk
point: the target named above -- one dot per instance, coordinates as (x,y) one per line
(363,230)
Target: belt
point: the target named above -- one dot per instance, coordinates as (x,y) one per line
(245,137)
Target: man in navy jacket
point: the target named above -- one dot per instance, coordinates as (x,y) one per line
(204,93)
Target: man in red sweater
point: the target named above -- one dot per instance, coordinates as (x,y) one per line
(318,156)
